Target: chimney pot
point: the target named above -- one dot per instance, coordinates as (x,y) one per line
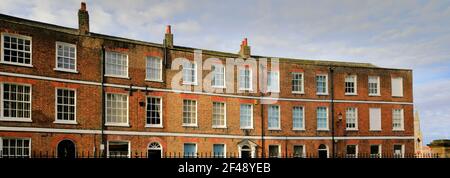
(168,29)
(245,42)
(83,6)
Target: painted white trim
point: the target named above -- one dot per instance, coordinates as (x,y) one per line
(276,90)
(328,124)
(160,71)
(119,124)
(224,76)
(196,149)
(326,84)
(279,118)
(251,117)
(356,119)
(195,82)
(16,36)
(160,125)
(356,150)
(250,79)
(117,76)
(56,57)
(303,147)
(378,86)
(355,82)
(15,119)
(224,116)
(129,147)
(56,107)
(279,150)
(303,119)
(224,149)
(196,92)
(160,147)
(196,115)
(302,82)
(402,120)
(174,134)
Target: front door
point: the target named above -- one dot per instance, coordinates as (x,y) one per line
(66,149)
(154,154)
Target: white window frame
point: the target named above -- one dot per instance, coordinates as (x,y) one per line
(302,88)
(15,138)
(303,118)
(278,117)
(114,75)
(14,119)
(127,141)
(160,125)
(378,86)
(196,115)
(279,150)
(393,92)
(370,120)
(57,121)
(251,117)
(356,150)
(326,84)
(402,150)
(402,120)
(147,58)
(380,152)
(317,121)
(195,73)
(355,84)
(356,118)
(196,150)
(224,115)
(151,148)
(56,57)
(128,112)
(304,150)
(213,84)
(270,88)
(16,36)
(250,79)
(224,149)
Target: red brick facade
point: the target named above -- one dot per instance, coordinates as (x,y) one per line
(86,134)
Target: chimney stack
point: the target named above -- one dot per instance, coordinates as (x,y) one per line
(168,40)
(245,49)
(83,20)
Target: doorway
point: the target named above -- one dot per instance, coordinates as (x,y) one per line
(66,149)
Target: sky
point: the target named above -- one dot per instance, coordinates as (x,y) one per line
(396,34)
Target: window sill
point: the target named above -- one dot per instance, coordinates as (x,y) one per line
(245,89)
(302,129)
(150,80)
(397,96)
(274,129)
(398,130)
(351,94)
(219,87)
(16,119)
(324,130)
(16,64)
(246,128)
(65,122)
(117,76)
(153,126)
(351,129)
(117,125)
(375,130)
(189,125)
(321,94)
(186,83)
(65,70)
(219,127)
(374,95)
(298,92)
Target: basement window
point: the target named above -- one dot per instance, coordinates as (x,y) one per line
(399,151)
(352,151)
(66,57)
(375,151)
(15,147)
(16,49)
(274,151)
(118,149)
(299,151)
(190,150)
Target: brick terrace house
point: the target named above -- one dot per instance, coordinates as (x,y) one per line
(65,91)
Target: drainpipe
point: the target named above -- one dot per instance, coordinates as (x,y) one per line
(103,102)
(332,111)
(262,130)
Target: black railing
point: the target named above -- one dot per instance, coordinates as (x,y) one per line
(137,154)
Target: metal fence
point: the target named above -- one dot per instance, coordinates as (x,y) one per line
(136,154)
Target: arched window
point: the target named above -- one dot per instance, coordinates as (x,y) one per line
(154,150)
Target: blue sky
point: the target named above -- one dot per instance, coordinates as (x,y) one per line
(396,34)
